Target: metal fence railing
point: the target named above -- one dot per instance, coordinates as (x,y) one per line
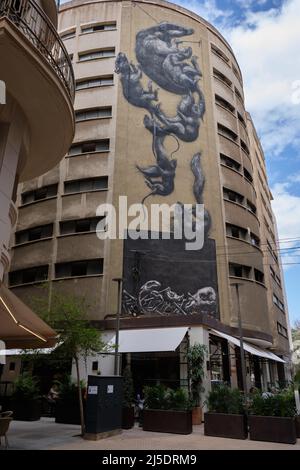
(31,20)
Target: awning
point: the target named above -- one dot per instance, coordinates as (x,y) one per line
(149,340)
(20,327)
(256,351)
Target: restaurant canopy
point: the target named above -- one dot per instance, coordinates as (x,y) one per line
(20,327)
(149,340)
(255,350)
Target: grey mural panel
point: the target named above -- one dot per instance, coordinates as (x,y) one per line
(162,278)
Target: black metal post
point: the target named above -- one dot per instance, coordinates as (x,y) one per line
(243,364)
(119,280)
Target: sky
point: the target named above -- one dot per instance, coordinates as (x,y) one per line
(265,36)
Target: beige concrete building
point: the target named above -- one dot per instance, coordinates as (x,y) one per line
(160,118)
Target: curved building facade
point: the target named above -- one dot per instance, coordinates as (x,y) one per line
(160,119)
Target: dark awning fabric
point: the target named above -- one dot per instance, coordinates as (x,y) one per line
(20,327)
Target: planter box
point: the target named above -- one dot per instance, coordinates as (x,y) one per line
(67,412)
(225,425)
(176,422)
(297,422)
(272,429)
(127,417)
(26,410)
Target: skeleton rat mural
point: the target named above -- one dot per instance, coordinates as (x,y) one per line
(174,68)
(170,66)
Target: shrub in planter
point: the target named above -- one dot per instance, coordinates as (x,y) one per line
(67,409)
(196,358)
(272,417)
(226,417)
(167,410)
(128,408)
(25,400)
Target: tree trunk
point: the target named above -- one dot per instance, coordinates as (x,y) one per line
(80,397)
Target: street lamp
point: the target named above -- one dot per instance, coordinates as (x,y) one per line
(119,280)
(243,364)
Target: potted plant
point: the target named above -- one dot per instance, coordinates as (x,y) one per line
(226,417)
(167,410)
(128,408)
(25,399)
(196,355)
(272,417)
(67,408)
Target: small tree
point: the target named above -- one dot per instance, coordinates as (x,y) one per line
(67,315)
(196,355)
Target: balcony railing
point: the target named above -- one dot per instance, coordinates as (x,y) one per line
(29,18)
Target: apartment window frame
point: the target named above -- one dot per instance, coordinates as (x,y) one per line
(84,185)
(35,274)
(223,103)
(240,271)
(70,34)
(93,113)
(228,133)
(97,54)
(77,226)
(233,196)
(89,146)
(98,27)
(222,78)
(39,194)
(230,163)
(259,276)
(96,82)
(27,235)
(79,268)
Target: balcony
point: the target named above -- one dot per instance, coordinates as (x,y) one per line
(40,84)
(31,20)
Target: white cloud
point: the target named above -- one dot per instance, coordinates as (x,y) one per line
(267,48)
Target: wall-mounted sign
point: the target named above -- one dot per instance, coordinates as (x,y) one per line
(110,389)
(93,390)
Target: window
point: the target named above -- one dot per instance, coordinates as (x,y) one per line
(272,251)
(220,76)
(251,207)
(236,73)
(248,176)
(79,268)
(99,27)
(224,103)
(236,231)
(233,196)
(79,226)
(94,113)
(219,53)
(228,133)
(68,34)
(230,162)
(242,120)
(278,303)
(12,366)
(255,239)
(239,270)
(38,194)
(95,82)
(259,276)
(34,233)
(89,184)
(95,366)
(282,330)
(89,147)
(100,54)
(245,147)
(239,96)
(26,276)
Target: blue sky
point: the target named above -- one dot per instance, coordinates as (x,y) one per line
(265,36)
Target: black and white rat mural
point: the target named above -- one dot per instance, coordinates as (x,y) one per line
(162,57)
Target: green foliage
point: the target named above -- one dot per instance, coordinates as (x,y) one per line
(68,390)
(128,395)
(26,388)
(223,399)
(280,404)
(196,356)
(160,397)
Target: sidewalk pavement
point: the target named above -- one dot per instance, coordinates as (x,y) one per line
(48,435)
